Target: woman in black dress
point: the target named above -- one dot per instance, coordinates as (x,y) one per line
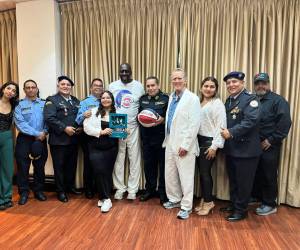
(9,94)
(103,149)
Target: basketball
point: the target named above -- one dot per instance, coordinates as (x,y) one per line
(148,118)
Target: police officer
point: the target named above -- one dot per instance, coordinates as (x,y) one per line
(31,145)
(152,139)
(274,126)
(60,113)
(84,111)
(242,144)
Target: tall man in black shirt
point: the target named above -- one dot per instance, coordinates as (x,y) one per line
(273,128)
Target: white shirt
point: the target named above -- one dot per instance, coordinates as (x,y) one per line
(127,99)
(92,124)
(212,119)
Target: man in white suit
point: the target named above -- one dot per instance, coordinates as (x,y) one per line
(182,125)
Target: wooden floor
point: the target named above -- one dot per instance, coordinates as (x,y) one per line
(79,224)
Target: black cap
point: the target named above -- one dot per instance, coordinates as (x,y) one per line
(234,74)
(36,150)
(261,77)
(60,78)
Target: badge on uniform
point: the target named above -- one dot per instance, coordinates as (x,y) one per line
(254,104)
(234,112)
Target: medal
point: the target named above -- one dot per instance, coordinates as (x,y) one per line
(234,117)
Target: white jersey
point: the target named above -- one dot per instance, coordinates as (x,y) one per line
(127,99)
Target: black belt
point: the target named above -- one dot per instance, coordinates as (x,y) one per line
(204,141)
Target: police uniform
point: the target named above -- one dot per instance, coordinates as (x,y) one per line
(274,126)
(60,113)
(29,120)
(243,148)
(152,139)
(88,177)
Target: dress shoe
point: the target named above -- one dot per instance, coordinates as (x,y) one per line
(62,197)
(228,209)
(89,194)
(236,216)
(40,196)
(23,199)
(75,191)
(146,196)
(2,207)
(8,204)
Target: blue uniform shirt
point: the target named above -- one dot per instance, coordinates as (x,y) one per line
(86,104)
(29,118)
(172,108)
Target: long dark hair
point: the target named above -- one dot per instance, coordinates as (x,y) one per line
(101,110)
(212,79)
(14,100)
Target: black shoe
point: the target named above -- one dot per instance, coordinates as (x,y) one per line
(89,194)
(236,216)
(2,207)
(74,191)
(23,199)
(8,204)
(40,196)
(62,197)
(146,196)
(228,209)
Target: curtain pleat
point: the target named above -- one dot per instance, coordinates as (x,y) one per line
(8,47)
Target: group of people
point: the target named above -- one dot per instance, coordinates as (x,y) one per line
(189,128)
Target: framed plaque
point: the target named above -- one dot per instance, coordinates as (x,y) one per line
(118,123)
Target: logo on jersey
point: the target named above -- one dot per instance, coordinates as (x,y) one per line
(124,99)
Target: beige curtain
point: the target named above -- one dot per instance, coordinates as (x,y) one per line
(8,47)
(250,36)
(99,35)
(206,37)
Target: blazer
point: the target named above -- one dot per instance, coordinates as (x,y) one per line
(58,114)
(185,124)
(243,115)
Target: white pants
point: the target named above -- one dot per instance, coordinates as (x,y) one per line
(179,178)
(133,143)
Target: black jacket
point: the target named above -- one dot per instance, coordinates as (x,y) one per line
(58,115)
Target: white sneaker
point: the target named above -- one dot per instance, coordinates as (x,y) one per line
(131,196)
(119,195)
(100,203)
(106,206)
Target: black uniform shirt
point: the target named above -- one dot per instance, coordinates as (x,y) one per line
(275,118)
(158,103)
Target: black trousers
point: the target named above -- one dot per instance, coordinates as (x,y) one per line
(88,176)
(206,181)
(22,151)
(154,160)
(265,185)
(241,173)
(103,162)
(64,159)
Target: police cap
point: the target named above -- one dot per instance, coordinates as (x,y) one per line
(60,78)
(234,74)
(36,150)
